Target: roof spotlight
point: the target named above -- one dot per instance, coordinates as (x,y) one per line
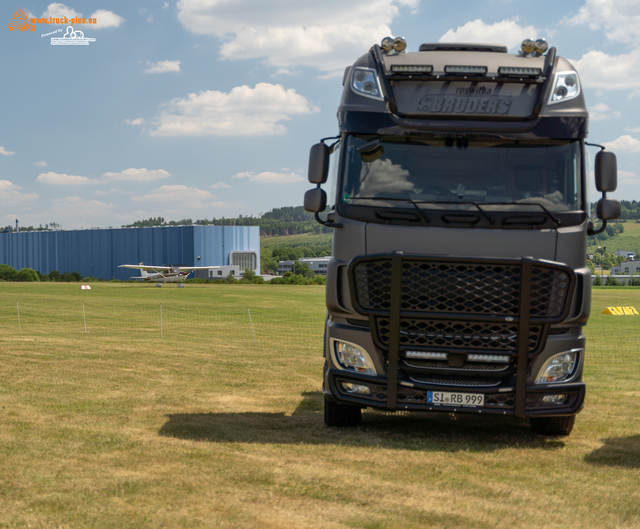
(528,46)
(541,46)
(399,44)
(387,44)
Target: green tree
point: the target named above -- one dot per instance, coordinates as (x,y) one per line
(8,273)
(27,275)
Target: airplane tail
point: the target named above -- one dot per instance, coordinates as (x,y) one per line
(143,273)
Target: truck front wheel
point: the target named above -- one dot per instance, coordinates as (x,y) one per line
(341,414)
(553,425)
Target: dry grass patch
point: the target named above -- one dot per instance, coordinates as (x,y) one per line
(202,427)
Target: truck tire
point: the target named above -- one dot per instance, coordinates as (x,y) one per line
(553,425)
(341,414)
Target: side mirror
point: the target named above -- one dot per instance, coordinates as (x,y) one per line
(608,209)
(318,164)
(315,200)
(606,170)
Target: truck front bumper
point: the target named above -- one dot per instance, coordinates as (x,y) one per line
(370,391)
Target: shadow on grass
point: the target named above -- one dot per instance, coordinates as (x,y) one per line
(617,452)
(411,431)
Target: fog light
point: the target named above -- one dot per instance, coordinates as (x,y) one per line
(359,389)
(554,399)
(528,46)
(559,368)
(352,357)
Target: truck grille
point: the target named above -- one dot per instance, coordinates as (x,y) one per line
(457,307)
(455,287)
(415,332)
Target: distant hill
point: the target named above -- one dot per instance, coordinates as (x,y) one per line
(291,220)
(628,240)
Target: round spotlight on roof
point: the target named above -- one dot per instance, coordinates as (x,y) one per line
(399,44)
(541,46)
(387,44)
(528,46)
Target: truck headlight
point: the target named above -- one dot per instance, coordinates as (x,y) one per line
(565,87)
(352,357)
(559,368)
(365,82)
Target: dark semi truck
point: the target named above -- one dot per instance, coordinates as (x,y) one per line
(458,279)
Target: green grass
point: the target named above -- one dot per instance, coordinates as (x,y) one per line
(303,239)
(215,420)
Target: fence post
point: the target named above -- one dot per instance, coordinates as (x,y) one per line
(18,306)
(251,323)
(84,318)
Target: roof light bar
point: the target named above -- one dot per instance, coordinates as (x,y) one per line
(466,70)
(411,68)
(519,72)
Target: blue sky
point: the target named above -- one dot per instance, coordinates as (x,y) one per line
(207,108)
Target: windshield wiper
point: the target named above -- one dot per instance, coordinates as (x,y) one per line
(461,215)
(523,218)
(394,214)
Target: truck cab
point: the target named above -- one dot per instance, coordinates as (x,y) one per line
(458,279)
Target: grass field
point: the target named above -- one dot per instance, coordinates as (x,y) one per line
(135,406)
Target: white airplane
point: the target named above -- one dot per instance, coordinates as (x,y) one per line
(165,274)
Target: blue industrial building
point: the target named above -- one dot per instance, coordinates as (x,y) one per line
(98,253)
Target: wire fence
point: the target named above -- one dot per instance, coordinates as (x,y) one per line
(258,327)
(240,327)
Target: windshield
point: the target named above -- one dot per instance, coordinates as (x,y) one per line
(400,172)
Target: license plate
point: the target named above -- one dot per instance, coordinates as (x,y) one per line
(445,398)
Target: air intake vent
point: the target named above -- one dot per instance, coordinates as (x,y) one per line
(450,46)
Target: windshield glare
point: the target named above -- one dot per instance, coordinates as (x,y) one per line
(391,171)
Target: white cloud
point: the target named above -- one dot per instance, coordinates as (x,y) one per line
(326,35)
(507,32)
(624,143)
(81,208)
(136,121)
(104,18)
(176,193)
(620,19)
(244,111)
(219,185)
(9,194)
(112,191)
(59,179)
(137,175)
(163,67)
(602,111)
(268,177)
(610,72)
(40,164)
(6,152)
(635,129)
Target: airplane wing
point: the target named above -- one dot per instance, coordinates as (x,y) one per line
(190,268)
(146,268)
